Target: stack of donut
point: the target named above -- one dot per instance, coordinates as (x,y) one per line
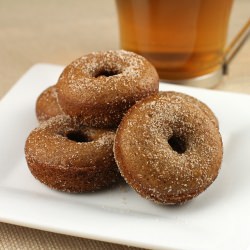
(105,119)
(72,149)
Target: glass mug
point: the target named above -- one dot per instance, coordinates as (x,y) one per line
(184,39)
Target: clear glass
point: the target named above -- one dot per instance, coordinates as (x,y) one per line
(182,38)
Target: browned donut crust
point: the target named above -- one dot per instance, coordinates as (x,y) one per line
(173,155)
(101,86)
(47,105)
(69,157)
(201,105)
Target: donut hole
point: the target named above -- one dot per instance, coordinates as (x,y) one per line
(77,136)
(106,72)
(178,144)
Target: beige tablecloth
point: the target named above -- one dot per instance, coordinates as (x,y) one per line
(57,32)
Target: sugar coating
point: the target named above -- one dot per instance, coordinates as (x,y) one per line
(47,104)
(68,165)
(199,104)
(148,162)
(101,86)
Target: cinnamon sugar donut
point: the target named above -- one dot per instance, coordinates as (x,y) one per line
(101,86)
(67,156)
(47,105)
(174,154)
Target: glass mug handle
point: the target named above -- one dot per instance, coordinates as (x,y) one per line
(235,45)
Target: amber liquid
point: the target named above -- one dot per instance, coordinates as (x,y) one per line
(182,38)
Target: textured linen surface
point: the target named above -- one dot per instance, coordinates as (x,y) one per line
(14,237)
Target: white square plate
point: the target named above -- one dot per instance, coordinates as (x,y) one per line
(217,219)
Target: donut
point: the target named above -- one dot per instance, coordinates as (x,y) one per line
(100,87)
(168,149)
(47,105)
(67,156)
(201,105)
